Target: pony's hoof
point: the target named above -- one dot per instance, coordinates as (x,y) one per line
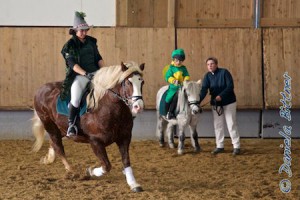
(172,146)
(197,150)
(180,152)
(137,189)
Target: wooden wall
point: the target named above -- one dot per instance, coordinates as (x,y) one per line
(281,54)
(238,50)
(149,30)
(32,57)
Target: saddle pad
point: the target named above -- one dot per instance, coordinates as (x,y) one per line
(62,107)
(162,105)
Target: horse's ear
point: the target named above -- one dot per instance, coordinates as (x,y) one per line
(199,81)
(185,82)
(124,68)
(142,66)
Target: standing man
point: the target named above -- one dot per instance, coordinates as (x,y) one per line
(219,82)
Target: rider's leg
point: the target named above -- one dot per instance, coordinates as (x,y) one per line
(172,108)
(77,89)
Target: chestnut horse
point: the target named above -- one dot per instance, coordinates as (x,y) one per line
(114,100)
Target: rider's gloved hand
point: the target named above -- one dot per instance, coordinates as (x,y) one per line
(89,75)
(175,82)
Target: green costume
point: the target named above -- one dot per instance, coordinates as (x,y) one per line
(178,73)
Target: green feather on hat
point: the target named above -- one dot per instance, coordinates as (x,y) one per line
(82,15)
(79,21)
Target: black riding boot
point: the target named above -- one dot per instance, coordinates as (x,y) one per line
(172,108)
(72,130)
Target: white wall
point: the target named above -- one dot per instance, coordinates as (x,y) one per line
(56,12)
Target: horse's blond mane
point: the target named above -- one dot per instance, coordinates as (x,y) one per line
(107,78)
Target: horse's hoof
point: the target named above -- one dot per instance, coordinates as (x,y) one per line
(88,172)
(180,152)
(197,149)
(137,189)
(172,146)
(161,144)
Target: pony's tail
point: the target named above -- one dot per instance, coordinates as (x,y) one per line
(38,132)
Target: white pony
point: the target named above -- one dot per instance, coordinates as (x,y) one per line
(187,108)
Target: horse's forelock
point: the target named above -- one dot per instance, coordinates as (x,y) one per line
(132,69)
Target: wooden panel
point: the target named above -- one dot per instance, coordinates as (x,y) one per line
(281,9)
(281,54)
(280,13)
(142,13)
(239,50)
(29,59)
(214,13)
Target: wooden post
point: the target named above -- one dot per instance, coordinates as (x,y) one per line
(171,13)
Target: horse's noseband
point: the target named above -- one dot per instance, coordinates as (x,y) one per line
(194,103)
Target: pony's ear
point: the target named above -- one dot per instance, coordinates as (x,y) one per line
(199,81)
(142,66)
(124,68)
(185,82)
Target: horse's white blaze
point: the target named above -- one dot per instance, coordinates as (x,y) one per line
(137,105)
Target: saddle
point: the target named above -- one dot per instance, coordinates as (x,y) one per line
(62,105)
(164,106)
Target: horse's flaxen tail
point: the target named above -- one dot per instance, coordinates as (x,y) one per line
(38,132)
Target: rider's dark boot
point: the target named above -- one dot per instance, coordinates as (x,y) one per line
(72,129)
(172,108)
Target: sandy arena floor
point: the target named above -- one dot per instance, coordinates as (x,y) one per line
(162,173)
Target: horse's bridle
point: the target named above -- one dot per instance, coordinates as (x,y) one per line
(126,99)
(197,103)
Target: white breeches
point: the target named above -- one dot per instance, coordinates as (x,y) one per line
(79,84)
(228,116)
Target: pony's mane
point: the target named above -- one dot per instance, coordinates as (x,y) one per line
(107,78)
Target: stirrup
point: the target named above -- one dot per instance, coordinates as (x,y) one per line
(72,131)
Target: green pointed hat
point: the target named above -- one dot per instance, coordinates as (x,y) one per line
(79,22)
(178,54)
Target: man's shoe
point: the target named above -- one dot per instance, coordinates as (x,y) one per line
(236,151)
(217,150)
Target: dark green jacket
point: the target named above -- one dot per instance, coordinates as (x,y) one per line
(71,54)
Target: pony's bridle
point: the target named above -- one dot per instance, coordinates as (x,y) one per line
(128,100)
(197,103)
